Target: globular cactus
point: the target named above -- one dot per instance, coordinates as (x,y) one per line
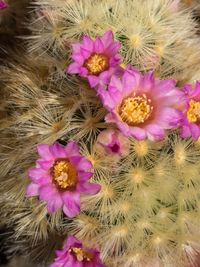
(147,212)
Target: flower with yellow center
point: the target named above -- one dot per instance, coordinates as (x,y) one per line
(135,110)
(60,177)
(193,113)
(96,60)
(64,174)
(141,106)
(75,254)
(97,63)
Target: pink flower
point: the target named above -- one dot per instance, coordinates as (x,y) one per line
(75,255)
(141,106)
(60,176)
(3,5)
(97,59)
(191,121)
(113,142)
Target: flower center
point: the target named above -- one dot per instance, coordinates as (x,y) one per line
(81,255)
(64,174)
(97,63)
(135,110)
(193,113)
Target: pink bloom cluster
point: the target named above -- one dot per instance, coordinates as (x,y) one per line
(60,176)
(74,254)
(140,106)
(3,5)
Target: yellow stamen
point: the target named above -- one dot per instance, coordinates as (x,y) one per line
(135,110)
(64,174)
(81,254)
(97,63)
(193,113)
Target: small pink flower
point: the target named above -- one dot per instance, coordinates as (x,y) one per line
(3,5)
(75,255)
(97,59)
(191,121)
(141,106)
(60,176)
(113,142)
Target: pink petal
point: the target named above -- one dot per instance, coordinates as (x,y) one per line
(107,38)
(36,174)
(71,241)
(130,83)
(72,149)
(71,203)
(54,204)
(136,132)
(32,190)
(185,131)
(81,163)
(45,164)
(155,132)
(147,82)
(73,68)
(93,80)
(44,152)
(195,131)
(98,46)
(116,83)
(58,151)
(88,42)
(88,188)
(78,58)
(84,176)
(169,118)
(85,53)
(47,192)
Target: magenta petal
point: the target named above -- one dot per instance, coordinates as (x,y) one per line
(45,164)
(36,173)
(78,58)
(58,150)
(71,203)
(72,149)
(93,80)
(84,176)
(89,188)
(155,132)
(71,240)
(47,192)
(32,190)
(88,42)
(85,53)
(195,131)
(81,163)
(169,118)
(116,83)
(44,152)
(185,131)
(107,38)
(98,46)
(136,132)
(73,68)
(54,204)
